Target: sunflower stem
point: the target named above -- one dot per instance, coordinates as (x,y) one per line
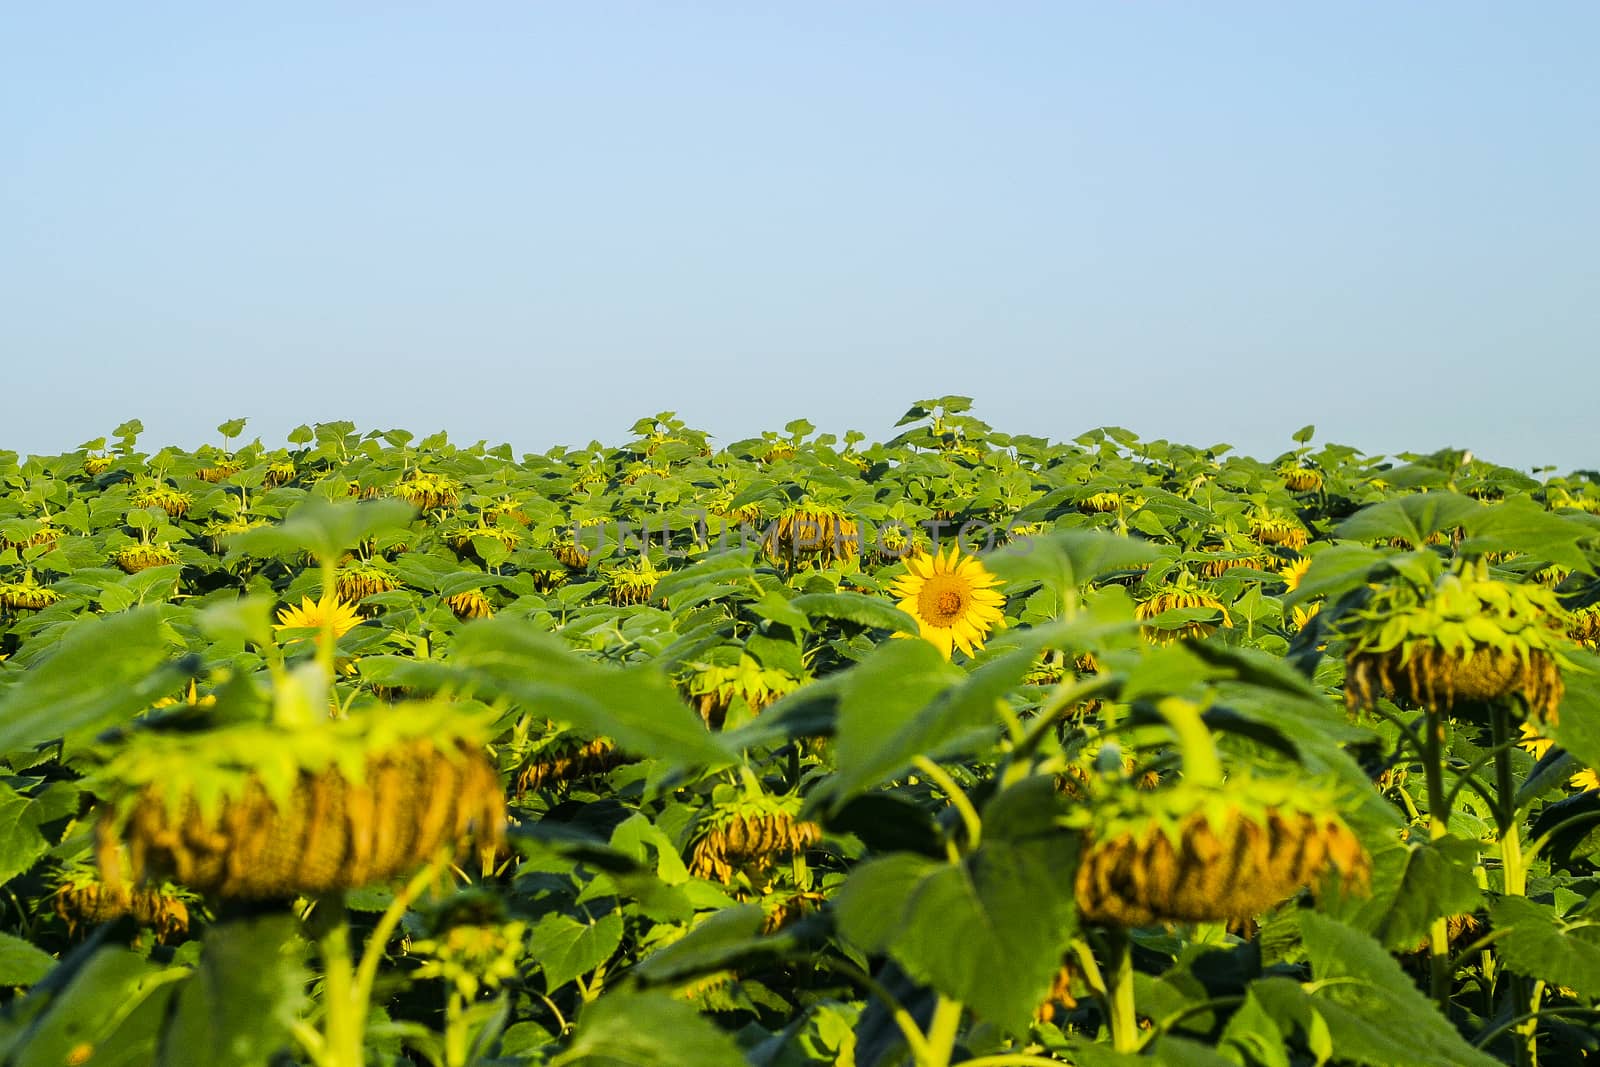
(943,1029)
(957,797)
(1200,763)
(1124,1020)
(341,1028)
(1439,970)
(1513,869)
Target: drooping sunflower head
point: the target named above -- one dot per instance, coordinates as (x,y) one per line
(952,598)
(256,810)
(219,471)
(748,835)
(1100,502)
(1301,479)
(142,557)
(1584,626)
(94,465)
(26,595)
(1467,637)
(82,899)
(219,530)
(1193,853)
(633,583)
(314,614)
(1278,530)
(358,579)
(428,491)
(470,604)
(1224,557)
(713,688)
(22,535)
(562,759)
(812,530)
(1181,610)
(164,498)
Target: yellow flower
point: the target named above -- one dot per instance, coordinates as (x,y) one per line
(1532,742)
(1585,779)
(1294,572)
(951,599)
(311,615)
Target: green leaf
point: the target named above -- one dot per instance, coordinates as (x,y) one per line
(1070,559)
(232,428)
(21,843)
(1538,943)
(722,938)
(989,931)
(324,528)
(566,948)
(857,608)
(623,1029)
(1520,525)
(1374,1012)
(1413,884)
(1411,518)
(114,1002)
(245,997)
(879,701)
(637,706)
(104,671)
(1578,728)
(21,963)
(1304,434)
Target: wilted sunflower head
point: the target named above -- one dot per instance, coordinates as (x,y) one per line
(428,491)
(1467,637)
(563,759)
(258,810)
(358,579)
(311,614)
(748,835)
(26,595)
(1301,479)
(952,598)
(1180,610)
(1212,853)
(1100,502)
(142,557)
(713,688)
(164,498)
(1277,530)
(470,604)
(94,465)
(813,530)
(219,530)
(633,583)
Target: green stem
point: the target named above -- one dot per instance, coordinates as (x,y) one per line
(1200,763)
(1513,871)
(341,1029)
(1119,993)
(957,797)
(372,955)
(942,1031)
(1438,826)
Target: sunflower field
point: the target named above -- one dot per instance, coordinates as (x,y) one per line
(963,747)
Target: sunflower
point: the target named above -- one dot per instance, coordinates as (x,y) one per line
(26,595)
(951,598)
(1295,572)
(163,498)
(220,471)
(95,465)
(1182,595)
(470,604)
(633,583)
(1273,530)
(428,491)
(141,557)
(1301,479)
(312,615)
(358,580)
(1533,742)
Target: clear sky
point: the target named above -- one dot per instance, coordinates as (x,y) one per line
(535,222)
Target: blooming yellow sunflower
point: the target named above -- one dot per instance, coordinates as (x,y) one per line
(951,598)
(311,615)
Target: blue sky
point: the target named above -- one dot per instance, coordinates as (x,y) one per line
(535,223)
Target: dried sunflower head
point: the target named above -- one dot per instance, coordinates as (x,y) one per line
(358,579)
(713,688)
(749,835)
(1181,610)
(813,531)
(164,498)
(470,604)
(1466,637)
(1196,853)
(633,583)
(563,759)
(428,491)
(26,595)
(1301,479)
(142,557)
(255,810)
(1277,530)
(83,899)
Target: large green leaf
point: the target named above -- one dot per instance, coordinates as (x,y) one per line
(565,947)
(103,672)
(114,1003)
(1520,525)
(21,843)
(22,963)
(857,608)
(1070,559)
(1373,1011)
(1411,518)
(244,998)
(637,707)
(988,931)
(324,528)
(647,1030)
(1538,943)
(1413,884)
